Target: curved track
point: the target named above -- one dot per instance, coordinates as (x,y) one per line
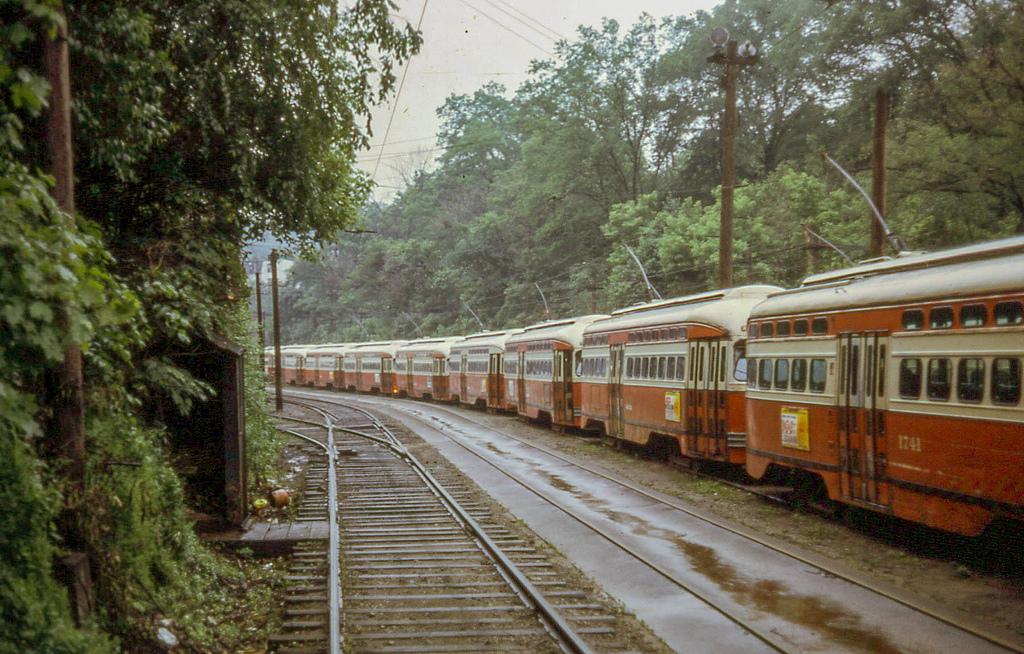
(419,568)
(973,637)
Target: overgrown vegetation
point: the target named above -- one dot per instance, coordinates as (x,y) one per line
(615,142)
(198,126)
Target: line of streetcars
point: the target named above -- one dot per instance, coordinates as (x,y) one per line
(894,385)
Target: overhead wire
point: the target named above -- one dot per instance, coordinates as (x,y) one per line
(521,21)
(558,35)
(398,94)
(507,28)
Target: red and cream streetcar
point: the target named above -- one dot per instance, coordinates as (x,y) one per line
(293,365)
(672,372)
(475,375)
(539,363)
(323,363)
(421,368)
(897,384)
(369,367)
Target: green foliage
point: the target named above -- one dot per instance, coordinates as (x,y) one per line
(197,125)
(33,608)
(615,141)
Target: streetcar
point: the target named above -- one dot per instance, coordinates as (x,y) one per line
(896,386)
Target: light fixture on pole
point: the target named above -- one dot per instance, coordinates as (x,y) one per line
(733,57)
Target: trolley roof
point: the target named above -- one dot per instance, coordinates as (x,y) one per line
(727,309)
(428,346)
(986,269)
(568,331)
(918,261)
(383,348)
(493,339)
(330,348)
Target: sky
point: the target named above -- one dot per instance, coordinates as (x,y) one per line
(468,43)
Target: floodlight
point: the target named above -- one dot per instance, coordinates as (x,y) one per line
(747,50)
(719,36)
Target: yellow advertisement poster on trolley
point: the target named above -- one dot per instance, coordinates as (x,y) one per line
(793,425)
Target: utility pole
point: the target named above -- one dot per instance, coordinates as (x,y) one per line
(73,569)
(878,170)
(259,303)
(278,397)
(733,58)
(70,396)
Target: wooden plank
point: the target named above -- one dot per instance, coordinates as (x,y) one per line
(258,531)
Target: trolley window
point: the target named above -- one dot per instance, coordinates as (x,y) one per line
(940,318)
(913,319)
(1006,381)
(670,369)
(800,327)
(910,378)
(970,380)
(782,329)
(739,369)
(721,364)
(661,367)
(1009,313)
(819,375)
(764,373)
(645,367)
(753,330)
(767,330)
(680,367)
(819,326)
(973,315)
(781,374)
(939,379)
(751,379)
(798,375)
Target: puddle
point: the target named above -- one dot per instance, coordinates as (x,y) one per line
(822,616)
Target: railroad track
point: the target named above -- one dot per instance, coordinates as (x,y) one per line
(423,568)
(768,637)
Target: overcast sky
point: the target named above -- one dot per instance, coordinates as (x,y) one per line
(468,43)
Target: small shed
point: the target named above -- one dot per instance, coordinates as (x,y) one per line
(208,444)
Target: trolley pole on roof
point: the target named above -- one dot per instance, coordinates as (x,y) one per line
(547,312)
(733,58)
(478,321)
(278,396)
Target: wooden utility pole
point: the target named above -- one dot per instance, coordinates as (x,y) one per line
(70,439)
(259,304)
(878,170)
(732,59)
(278,397)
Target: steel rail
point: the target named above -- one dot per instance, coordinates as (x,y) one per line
(760,634)
(567,637)
(334,537)
(782,549)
